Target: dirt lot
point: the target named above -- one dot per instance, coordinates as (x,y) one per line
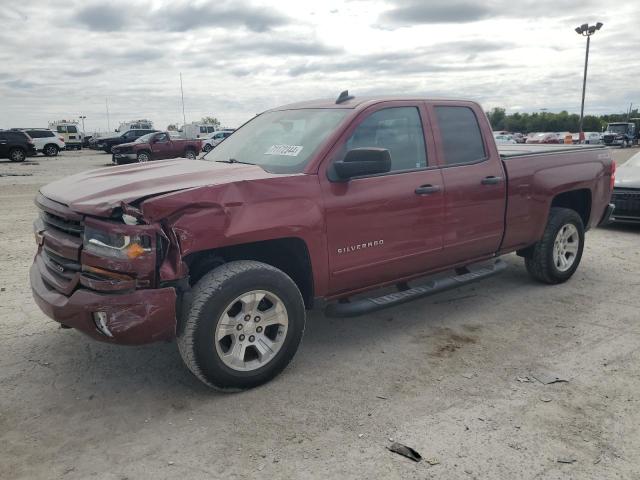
(451,376)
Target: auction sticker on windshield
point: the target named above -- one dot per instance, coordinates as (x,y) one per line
(289,150)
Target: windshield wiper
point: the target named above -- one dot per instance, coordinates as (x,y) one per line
(233,160)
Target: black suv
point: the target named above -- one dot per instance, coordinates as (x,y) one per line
(16,146)
(106,143)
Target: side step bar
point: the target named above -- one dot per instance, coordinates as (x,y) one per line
(367,305)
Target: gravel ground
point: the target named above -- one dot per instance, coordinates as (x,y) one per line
(451,376)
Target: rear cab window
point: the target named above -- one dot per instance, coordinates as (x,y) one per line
(461,135)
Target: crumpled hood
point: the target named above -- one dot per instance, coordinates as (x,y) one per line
(98,192)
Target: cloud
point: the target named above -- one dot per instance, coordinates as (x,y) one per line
(84,73)
(284,46)
(104,17)
(20,84)
(436,12)
(182,17)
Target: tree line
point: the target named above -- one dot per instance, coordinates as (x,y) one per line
(553,122)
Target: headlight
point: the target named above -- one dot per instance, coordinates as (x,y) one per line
(115,245)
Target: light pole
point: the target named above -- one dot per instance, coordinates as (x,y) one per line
(82,117)
(586,31)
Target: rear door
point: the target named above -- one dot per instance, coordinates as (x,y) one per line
(4,145)
(474,181)
(384,227)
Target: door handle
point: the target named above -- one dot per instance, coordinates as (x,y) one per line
(427,189)
(491,180)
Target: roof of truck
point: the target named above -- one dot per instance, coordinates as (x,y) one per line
(356,102)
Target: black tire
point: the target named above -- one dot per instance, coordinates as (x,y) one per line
(107,149)
(144,157)
(50,150)
(540,263)
(190,154)
(17,155)
(202,310)
(207,148)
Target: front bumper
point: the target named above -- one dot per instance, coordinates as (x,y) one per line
(119,158)
(133,318)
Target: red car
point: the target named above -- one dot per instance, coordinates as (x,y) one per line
(543,138)
(304,207)
(155,146)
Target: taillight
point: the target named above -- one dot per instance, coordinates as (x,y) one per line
(61,139)
(613,173)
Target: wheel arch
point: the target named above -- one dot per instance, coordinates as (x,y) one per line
(289,254)
(578,200)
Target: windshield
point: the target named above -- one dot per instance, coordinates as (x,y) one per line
(145,138)
(619,128)
(280,141)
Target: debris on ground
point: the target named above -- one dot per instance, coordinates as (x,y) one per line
(545,399)
(16,174)
(547,378)
(405,451)
(567,460)
(468,376)
(433,461)
(523,379)
(381,397)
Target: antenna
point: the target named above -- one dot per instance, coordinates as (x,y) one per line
(343,97)
(184,118)
(106,102)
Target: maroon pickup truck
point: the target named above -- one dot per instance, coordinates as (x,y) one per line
(155,146)
(306,206)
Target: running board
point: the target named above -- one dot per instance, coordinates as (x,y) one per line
(367,305)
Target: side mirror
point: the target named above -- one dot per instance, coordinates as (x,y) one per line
(363,161)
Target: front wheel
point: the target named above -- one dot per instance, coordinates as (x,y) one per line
(207,148)
(143,157)
(241,325)
(556,256)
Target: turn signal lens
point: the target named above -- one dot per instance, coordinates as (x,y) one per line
(135,250)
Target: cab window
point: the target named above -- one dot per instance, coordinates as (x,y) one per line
(61,129)
(461,137)
(399,130)
(72,129)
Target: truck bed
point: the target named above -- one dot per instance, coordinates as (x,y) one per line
(520,150)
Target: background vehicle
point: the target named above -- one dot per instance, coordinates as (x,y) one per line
(562,137)
(155,146)
(626,192)
(107,143)
(543,138)
(16,145)
(142,124)
(214,139)
(198,130)
(304,206)
(504,139)
(592,138)
(45,140)
(69,131)
(620,133)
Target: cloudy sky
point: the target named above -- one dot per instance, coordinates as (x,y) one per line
(237,58)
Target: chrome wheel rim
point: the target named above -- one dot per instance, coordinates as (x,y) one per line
(191,155)
(251,330)
(143,158)
(50,151)
(207,148)
(565,247)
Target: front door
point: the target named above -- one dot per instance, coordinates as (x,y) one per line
(384,227)
(161,147)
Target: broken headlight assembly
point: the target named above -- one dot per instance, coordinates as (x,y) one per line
(115,245)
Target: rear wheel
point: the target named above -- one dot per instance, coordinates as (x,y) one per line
(556,256)
(50,150)
(17,155)
(190,154)
(143,157)
(241,325)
